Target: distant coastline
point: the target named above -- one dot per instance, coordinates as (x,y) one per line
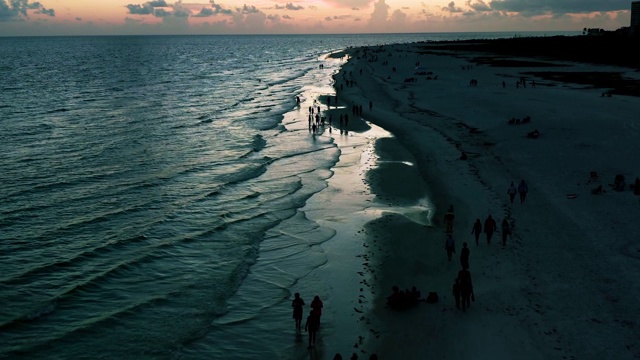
(607,50)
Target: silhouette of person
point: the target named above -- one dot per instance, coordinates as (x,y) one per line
(337,357)
(466,288)
(450,246)
(506,230)
(448,220)
(512,191)
(297,305)
(489,228)
(476,230)
(523,189)
(370,105)
(316,307)
(311,327)
(464,256)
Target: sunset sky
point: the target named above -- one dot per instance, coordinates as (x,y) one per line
(119,17)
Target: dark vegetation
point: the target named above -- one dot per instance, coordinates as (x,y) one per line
(604,49)
(609,49)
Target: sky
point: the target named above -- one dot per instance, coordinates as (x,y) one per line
(127,17)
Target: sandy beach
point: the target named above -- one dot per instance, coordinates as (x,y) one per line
(565,285)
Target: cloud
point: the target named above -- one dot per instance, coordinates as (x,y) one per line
(217,9)
(49,12)
(18,9)
(290,6)
(161,13)
(248,9)
(451,7)
(380,13)
(560,6)
(478,5)
(159,3)
(398,18)
(205,12)
(144,9)
(158,8)
(287,17)
(350,3)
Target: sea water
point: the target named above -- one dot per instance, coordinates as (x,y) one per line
(140,175)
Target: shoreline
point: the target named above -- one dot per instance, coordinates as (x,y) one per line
(436,121)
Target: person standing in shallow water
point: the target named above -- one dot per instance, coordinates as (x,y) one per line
(316,307)
(490,227)
(311,327)
(297,304)
(476,230)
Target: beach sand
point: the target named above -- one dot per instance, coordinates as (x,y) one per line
(566,284)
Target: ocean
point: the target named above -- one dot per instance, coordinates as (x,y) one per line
(141,176)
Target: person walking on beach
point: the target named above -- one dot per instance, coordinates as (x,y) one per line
(489,228)
(466,288)
(464,256)
(448,220)
(456,292)
(316,307)
(523,189)
(450,246)
(311,327)
(506,230)
(476,230)
(297,304)
(512,191)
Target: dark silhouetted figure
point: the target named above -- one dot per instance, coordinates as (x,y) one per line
(466,288)
(490,227)
(523,189)
(464,256)
(448,220)
(512,191)
(506,230)
(450,246)
(311,326)
(297,304)
(316,307)
(476,230)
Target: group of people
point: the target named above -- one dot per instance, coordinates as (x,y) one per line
(354,356)
(402,299)
(522,189)
(312,324)
(462,287)
(490,227)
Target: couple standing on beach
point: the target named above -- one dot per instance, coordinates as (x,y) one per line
(522,189)
(313,320)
